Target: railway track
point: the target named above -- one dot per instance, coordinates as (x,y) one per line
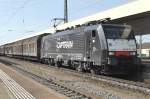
(122,84)
(49,83)
(132,85)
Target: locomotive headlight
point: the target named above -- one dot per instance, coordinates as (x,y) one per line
(93,41)
(111,53)
(132,53)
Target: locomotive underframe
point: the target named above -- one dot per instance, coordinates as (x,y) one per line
(88,66)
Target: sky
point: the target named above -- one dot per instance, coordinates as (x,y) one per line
(23,17)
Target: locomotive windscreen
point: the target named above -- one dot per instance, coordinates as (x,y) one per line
(118,32)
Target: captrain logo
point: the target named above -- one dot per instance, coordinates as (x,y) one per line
(65,44)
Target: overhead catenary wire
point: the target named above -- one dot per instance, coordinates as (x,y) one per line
(15,13)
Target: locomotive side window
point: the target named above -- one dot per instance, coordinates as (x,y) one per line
(93,33)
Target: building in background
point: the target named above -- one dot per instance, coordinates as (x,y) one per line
(145,50)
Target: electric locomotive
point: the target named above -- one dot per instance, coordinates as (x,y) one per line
(99,48)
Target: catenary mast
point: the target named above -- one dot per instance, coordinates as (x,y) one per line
(65,11)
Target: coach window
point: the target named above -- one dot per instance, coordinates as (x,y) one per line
(33,46)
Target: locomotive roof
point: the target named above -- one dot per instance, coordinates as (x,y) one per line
(82,28)
(77,29)
(89,27)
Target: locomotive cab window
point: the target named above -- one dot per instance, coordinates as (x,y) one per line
(118,32)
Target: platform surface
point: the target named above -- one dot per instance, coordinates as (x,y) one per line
(34,89)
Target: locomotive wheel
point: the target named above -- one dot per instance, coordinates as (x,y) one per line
(51,62)
(93,72)
(103,70)
(41,61)
(79,68)
(58,64)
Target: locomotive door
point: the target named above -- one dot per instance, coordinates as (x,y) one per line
(93,47)
(88,45)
